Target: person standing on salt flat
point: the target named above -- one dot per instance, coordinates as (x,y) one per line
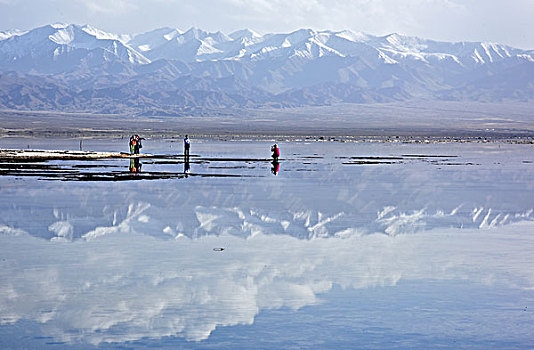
(275,164)
(135,144)
(187,145)
(276,152)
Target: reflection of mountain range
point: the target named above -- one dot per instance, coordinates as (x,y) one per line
(359,202)
(167,71)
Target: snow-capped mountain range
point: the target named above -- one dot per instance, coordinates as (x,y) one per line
(167,70)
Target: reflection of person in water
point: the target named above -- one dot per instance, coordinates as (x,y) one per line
(275,168)
(187,168)
(276,152)
(187,145)
(135,165)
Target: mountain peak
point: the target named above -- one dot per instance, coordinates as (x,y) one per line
(59,25)
(244,34)
(404,43)
(99,34)
(350,35)
(196,33)
(304,32)
(205,37)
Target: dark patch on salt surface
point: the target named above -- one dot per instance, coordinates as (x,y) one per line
(20,160)
(127,176)
(23,166)
(30,173)
(229,167)
(372,157)
(427,156)
(88,166)
(55,172)
(163,162)
(371,162)
(236,159)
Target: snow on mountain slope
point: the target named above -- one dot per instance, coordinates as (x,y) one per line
(303,67)
(8,34)
(173,44)
(196,45)
(49,43)
(244,34)
(399,46)
(153,39)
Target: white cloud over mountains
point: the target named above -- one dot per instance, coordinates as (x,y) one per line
(451,20)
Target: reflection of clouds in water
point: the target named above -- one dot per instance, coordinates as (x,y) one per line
(63,231)
(124,284)
(10,231)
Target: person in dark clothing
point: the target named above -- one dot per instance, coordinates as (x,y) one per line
(187,146)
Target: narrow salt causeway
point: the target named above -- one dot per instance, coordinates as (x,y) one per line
(32,154)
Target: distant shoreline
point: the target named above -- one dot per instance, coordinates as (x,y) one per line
(421,120)
(419,139)
(414,136)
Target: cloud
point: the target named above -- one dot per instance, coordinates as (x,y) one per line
(378,16)
(127,285)
(110,7)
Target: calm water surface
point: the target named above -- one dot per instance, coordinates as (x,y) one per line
(340,245)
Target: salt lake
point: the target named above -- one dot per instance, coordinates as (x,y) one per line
(377,245)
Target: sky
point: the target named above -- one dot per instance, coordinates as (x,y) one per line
(507,22)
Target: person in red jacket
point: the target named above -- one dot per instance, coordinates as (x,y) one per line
(276,151)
